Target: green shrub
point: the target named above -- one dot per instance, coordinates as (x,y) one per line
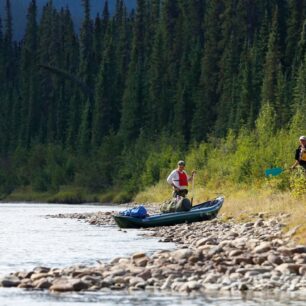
(298,183)
(122,197)
(77,196)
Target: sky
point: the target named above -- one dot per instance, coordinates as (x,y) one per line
(19,10)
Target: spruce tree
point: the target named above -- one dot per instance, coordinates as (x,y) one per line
(104,115)
(86,70)
(30,108)
(272,65)
(8,45)
(299,94)
(133,98)
(206,102)
(296,19)
(2,64)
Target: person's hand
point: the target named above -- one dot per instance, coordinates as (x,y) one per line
(193,172)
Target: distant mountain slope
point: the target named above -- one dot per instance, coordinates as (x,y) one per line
(19,9)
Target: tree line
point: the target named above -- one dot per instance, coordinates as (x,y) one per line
(88,108)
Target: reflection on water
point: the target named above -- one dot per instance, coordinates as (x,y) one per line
(26,298)
(29,239)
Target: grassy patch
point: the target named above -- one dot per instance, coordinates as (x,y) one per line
(243,202)
(26,194)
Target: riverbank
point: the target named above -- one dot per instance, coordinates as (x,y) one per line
(229,256)
(243,202)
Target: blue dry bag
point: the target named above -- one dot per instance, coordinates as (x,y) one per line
(136,212)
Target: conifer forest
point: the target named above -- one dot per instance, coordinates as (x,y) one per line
(113,106)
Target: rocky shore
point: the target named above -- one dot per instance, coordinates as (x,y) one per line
(213,255)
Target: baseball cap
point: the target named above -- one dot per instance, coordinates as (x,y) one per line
(303,138)
(181,163)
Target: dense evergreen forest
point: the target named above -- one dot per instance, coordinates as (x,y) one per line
(115,106)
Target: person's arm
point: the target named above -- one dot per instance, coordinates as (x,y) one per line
(172,178)
(190,178)
(297,156)
(295,164)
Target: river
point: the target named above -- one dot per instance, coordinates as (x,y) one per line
(28,238)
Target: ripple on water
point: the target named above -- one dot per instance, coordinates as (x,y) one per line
(29,239)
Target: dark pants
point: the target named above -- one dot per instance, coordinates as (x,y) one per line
(303,165)
(181,193)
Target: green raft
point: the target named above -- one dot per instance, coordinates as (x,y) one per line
(201,212)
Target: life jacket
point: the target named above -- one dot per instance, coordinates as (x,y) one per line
(303,154)
(183,180)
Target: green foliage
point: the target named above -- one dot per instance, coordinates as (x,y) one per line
(76,196)
(161,159)
(115,107)
(298,183)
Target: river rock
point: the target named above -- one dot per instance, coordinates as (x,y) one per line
(302,271)
(25,283)
(138,255)
(66,284)
(146,274)
(37,276)
(181,254)
(207,240)
(235,253)
(135,280)
(300,249)
(259,223)
(41,270)
(286,268)
(9,281)
(42,283)
(274,259)
(263,247)
(243,286)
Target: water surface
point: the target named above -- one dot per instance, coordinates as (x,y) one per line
(29,239)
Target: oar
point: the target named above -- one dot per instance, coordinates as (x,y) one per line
(274,171)
(192,188)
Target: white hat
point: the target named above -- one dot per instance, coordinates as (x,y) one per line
(303,138)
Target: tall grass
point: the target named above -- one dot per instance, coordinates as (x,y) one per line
(235,167)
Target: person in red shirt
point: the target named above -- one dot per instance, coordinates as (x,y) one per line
(179,180)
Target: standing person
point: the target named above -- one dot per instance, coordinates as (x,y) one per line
(300,154)
(179,179)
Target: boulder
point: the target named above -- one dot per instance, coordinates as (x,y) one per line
(67,284)
(9,281)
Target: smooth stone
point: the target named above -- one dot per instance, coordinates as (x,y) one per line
(286,268)
(181,254)
(41,270)
(135,280)
(259,223)
(37,276)
(138,255)
(235,253)
(300,249)
(207,240)
(146,274)
(263,247)
(302,271)
(42,284)
(243,287)
(66,284)
(274,259)
(9,281)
